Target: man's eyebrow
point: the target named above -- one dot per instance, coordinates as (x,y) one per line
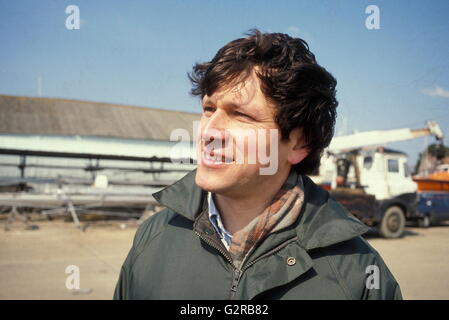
(227,104)
(207,101)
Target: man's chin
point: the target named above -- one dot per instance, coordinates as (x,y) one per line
(225,180)
(213,180)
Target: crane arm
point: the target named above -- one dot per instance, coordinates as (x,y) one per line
(381,137)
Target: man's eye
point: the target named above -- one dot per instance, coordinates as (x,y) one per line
(208,109)
(243,115)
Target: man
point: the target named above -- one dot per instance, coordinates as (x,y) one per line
(248,223)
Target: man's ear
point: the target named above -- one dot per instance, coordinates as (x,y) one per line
(298,150)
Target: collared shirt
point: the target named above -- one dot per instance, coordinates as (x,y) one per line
(215,219)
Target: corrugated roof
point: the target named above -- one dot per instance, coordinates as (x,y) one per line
(31,115)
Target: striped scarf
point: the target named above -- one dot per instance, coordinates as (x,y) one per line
(282,212)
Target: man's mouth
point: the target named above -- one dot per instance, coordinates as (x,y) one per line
(215,158)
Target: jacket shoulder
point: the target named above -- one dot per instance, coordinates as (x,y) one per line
(147,231)
(361,270)
(152,226)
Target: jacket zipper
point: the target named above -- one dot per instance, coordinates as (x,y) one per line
(218,248)
(235,283)
(238,272)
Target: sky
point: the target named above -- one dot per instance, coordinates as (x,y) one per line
(139,53)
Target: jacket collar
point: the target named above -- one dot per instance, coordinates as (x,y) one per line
(322,222)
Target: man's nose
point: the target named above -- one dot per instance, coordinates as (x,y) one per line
(215,129)
(213,137)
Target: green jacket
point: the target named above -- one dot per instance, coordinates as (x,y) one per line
(176,254)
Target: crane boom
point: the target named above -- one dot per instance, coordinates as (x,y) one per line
(380,137)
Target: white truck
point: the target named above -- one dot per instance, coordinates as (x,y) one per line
(374,182)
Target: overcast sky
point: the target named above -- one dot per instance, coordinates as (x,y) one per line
(138,53)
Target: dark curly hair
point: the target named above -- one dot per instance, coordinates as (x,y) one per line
(304,92)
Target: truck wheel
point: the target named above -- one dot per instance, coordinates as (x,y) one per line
(393,223)
(424,222)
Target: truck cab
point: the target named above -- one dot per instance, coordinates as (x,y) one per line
(385,173)
(374,183)
(386,193)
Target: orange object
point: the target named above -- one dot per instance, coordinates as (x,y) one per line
(438,181)
(440,175)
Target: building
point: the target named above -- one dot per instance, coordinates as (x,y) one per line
(46,143)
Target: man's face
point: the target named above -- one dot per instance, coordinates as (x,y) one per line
(234,141)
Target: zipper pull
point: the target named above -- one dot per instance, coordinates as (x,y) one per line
(235,281)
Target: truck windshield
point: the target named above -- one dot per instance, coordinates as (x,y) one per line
(367,162)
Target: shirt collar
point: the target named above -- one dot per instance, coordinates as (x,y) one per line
(215,219)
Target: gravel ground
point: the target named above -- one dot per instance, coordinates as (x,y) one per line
(33,262)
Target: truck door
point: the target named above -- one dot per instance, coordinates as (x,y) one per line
(398,177)
(393,176)
(372,174)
